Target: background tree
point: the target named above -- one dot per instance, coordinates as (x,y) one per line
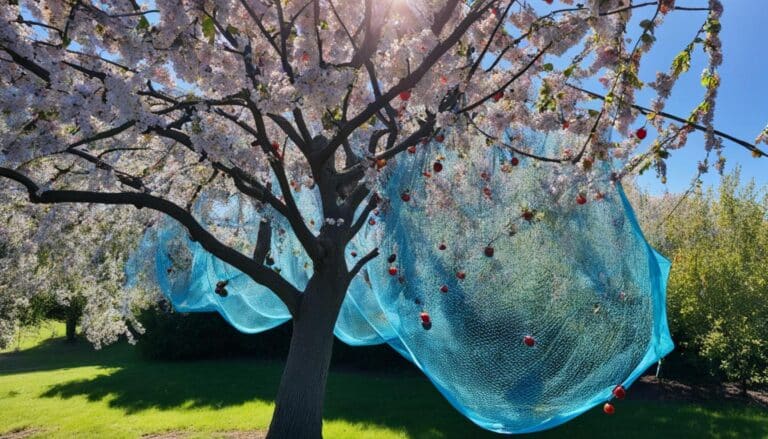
(116,103)
(718,287)
(66,263)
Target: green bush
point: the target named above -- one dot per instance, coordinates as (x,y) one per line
(718,288)
(172,335)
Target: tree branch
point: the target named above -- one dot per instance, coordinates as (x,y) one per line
(644,110)
(361,263)
(260,274)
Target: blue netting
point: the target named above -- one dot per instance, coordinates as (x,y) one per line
(578,279)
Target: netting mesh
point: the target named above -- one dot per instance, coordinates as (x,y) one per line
(524,303)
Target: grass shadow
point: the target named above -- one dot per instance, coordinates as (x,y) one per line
(407,403)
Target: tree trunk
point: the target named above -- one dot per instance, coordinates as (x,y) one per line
(299,403)
(744,388)
(71,323)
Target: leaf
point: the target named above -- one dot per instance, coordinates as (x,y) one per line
(646,24)
(233,30)
(647,38)
(143,24)
(209,29)
(710,80)
(682,61)
(548,67)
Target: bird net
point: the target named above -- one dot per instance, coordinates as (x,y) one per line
(525,294)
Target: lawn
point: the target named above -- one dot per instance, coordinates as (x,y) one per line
(52,389)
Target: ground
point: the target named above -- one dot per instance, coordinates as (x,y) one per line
(51,389)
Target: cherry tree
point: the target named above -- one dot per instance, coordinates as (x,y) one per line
(151,104)
(70,257)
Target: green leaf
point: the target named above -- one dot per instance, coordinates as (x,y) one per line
(569,71)
(646,24)
(548,67)
(647,38)
(713,26)
(233,30)
(143,24)
(710,80)
(682,61)
(209,29)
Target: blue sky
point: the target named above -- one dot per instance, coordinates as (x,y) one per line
(742,106)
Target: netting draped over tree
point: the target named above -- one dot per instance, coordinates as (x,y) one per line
(523,301)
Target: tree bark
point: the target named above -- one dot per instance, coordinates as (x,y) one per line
(71,324)
(300,397)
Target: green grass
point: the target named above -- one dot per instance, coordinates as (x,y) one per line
(73,391)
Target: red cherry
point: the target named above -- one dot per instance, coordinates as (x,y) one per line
(527,215)
(412,149)
(529,341)
(488,251)
(581,199)
(437,166)
(354,254)
(405,95)
(444,289)
(425,317)
(549,2)
(372,222)
(405,196)
(441,246)
(515,161)
(497,96)
(393,271)
(426,174)
(609,409)
(440,138)
(380,163)
(566,124)
(275,146)
(619,392)
(495,11)
(641,133)
(461,275)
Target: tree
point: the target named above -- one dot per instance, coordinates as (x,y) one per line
(72,271)
(717,289)
(115,103)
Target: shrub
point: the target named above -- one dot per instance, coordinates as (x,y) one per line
(172,335)
(718,288)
